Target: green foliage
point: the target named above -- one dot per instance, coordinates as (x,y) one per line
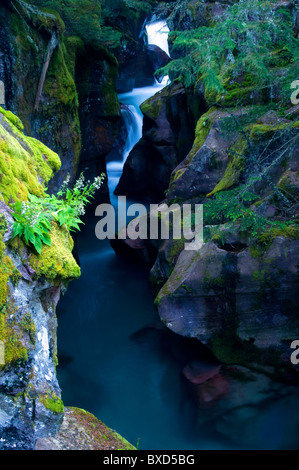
(94,21)
(82,17)
(33,219)
(234,208)
(32,223)
(254,37)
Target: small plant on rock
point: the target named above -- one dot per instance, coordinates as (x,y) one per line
(34,218)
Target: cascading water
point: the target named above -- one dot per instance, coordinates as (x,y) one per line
(133,118)
(157,34)
(131,112)
(133,122)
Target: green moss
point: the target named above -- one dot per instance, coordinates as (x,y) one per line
(289,231)
(11,336)
(73,47)
(202,130)
(56,262)
(111,103)
(43,154)
(123,444)
(98,433)
(48,19)
(52,403)
(59,85)
(256,251)
(178,174)
(213,283)
(232,174)
(7,271)
(264,131)
(289,184)
(24,163)
(152,107)
(14,348)
(13,119)
(237,96)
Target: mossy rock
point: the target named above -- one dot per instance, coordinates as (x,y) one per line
(52,403)
(202,130)
(81,430)
(261,132)
(234,168)
(25,163)
(56,262)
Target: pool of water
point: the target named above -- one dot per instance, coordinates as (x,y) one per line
(120,363)
(117,360)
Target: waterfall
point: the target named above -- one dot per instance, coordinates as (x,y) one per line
(133,123)
(157,33)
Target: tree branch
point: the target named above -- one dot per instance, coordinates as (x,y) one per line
(51,47)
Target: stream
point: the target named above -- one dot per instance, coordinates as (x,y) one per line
(116,359)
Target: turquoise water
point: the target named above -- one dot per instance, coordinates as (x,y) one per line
(116,360)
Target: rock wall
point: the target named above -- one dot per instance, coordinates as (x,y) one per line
(30,399)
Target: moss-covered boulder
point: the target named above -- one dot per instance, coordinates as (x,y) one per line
(209,157)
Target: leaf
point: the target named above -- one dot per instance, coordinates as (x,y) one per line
(27,234)
(46,239)
(17,230)
(38,245)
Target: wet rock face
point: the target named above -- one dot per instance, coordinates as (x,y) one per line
(236,303)
(158,57)
(204,166)
(135,67)
(99,109)
(238,293)
(30,401)
(168,132)
(30,286)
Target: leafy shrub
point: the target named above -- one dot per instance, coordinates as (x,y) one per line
(33,218)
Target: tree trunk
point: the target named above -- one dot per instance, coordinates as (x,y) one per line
(51,47)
